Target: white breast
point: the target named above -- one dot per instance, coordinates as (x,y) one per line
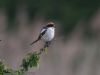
(49,35)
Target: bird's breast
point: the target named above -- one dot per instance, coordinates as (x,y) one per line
(49,35)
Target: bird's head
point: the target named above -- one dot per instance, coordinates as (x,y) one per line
(50,24)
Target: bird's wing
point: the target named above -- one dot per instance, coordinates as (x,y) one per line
(43,32)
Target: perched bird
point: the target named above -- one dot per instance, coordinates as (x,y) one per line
(47,33)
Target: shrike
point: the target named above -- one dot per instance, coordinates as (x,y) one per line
(47,33)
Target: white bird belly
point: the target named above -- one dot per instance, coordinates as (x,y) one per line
(49,35)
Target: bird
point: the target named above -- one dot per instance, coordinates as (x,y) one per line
(47,34)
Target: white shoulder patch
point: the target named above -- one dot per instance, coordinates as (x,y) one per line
(43,30)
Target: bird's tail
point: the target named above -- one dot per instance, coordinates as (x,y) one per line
(36,40)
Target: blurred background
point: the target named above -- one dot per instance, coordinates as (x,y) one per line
(75,49)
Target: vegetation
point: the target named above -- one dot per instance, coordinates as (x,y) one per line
(31,60)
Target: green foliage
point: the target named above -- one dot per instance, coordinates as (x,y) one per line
(31,60)
(1,68)
(4,69)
